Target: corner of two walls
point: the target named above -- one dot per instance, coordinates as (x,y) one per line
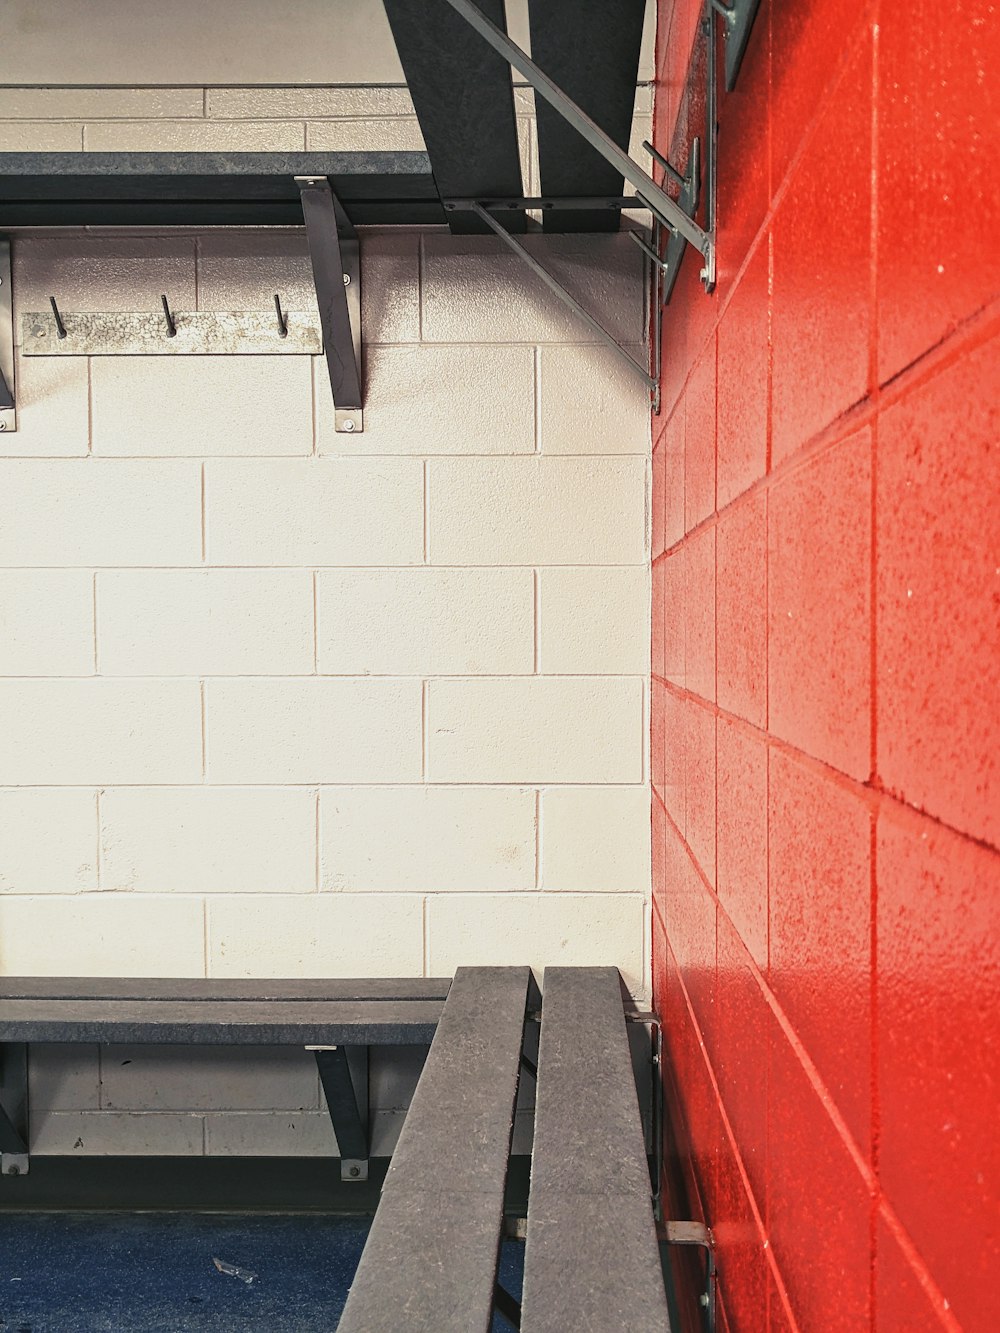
(278,701)
(825,725)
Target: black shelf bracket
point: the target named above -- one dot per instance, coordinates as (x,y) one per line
(8,415)
(14,1109)
(336,266)
(343,1072)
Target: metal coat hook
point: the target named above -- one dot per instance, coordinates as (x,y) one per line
(60,326)
(171,326)
(282,319)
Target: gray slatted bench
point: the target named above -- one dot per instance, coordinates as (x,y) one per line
(338,1020)
(592,1258)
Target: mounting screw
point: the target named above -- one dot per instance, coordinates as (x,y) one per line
(347,280)
(13,1171)
(703,1298)
(3,424)
(348,425)
(354,1171)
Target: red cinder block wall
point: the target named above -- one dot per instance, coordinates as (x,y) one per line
(825,736)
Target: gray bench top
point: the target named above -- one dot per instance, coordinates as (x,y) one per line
(592,1259)
(220,1012)
(430,1262)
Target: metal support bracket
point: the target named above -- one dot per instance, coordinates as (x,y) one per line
(656,199)
(14,1109)
(696,1233)
(564,296)
(336,266)
(343,1071)
(738,17)
(8,413)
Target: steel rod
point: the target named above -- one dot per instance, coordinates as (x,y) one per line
(658,200)
(558,290)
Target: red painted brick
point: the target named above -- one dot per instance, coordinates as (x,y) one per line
(939,1053)
(740,1253)
(902,1300)
(699,802)
(741,610)
(742,834)
(673,362)
(743,384)
(689,917)
(822,265)
(672,444)
(670,728)
(699,613)
(700,1131)
(660,952)
(657,626)
(658,833)
(744,178)
(658,712)
(808,40)
(779,1315)
(820,899)
(659,488)
(740,1053)
(938,534)
(938,164)
(699,440)
(819,614)
(818,1204)
(674,614)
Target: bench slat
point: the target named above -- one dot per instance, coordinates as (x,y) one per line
(430,1262)
(226,988)
(222,1022)
(591,1259)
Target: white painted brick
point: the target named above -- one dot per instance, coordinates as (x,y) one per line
(102,935)
(28,136)
(194,136)
(63,1076)
(103,273)
(52,411)
(202,405)
(331,511)
(322,935)
(46,622)
(590,402)
(441,839)
(541,729)
(208,1078)
(275,1135)
(375,134)
(593,621)
(595,840)
(94,731)
(48,841)
(98,103)
(582,930)
(208,839)
(476,290)
(104,1133)
(425,621)
(313,730)
(438,400)
(179,622)
(307,103)
(558,511)
(92,511)
(243,270)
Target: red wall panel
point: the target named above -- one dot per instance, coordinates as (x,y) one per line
(825,686)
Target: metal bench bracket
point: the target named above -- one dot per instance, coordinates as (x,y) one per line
(343,1071)
(336,265)
(14,1109)
(8,414)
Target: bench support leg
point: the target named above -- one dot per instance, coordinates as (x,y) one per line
(343,1071)
(14,1109)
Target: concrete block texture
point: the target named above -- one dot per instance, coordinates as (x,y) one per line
(425,621)
(441,839)
(277,701)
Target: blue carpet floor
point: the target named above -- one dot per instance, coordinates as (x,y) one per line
(156,1272)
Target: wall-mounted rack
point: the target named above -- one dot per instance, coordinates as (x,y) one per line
(458,59)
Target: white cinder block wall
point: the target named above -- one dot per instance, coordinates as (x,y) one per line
(277,701)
